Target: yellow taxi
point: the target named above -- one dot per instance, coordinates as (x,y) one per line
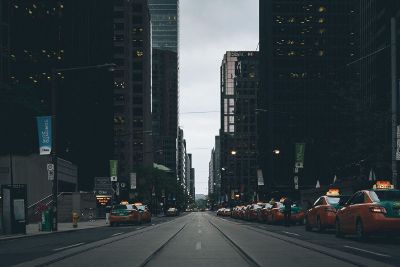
(370,211)
(145,214)
(124,213)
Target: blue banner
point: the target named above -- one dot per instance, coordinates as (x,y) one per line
(44,132)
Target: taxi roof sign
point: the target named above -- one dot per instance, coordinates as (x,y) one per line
(333,192)
(383,185)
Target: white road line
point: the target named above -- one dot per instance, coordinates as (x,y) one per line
(71,246)
(117,234)
(138,228)
(198,245)
(289,233)
(367,251)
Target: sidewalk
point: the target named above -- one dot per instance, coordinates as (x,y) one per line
(33,229)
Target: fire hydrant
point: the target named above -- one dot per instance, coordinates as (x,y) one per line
(75,218)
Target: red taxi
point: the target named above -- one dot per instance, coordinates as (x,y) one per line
(370,211)
(276,214)
(263,213)
(145,214)
(322,214)
(124,214)
(252,212)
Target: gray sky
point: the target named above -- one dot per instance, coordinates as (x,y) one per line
(209,28)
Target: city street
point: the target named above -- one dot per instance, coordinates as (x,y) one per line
(198,239)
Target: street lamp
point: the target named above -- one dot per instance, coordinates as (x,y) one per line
(276,151)
(233,152)
(111,67)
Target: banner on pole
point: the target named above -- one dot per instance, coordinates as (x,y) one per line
(44,134)
(133,180)
(299,155)
(260,177)
(114,170)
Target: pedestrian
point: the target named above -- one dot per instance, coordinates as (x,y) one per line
(287,203)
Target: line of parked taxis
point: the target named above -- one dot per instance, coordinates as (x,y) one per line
(366,212)
(271,213)
(125,213)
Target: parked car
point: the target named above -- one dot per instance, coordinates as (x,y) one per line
(276,214)
(124,214)
(145,214)
(322,214)
(374,211)
(172,212)
(252,212)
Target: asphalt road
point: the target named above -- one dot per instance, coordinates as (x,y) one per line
(202,239)
(24,249)
(384,249)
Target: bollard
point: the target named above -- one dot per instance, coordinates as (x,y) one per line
(75,218)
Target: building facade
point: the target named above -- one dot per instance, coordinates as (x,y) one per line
(61,34)
(305,47)
(238,133)
(132,87)
(165,93)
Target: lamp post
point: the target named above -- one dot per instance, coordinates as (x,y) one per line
(54,72)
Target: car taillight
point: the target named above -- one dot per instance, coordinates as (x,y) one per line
(330,209)
(378,209)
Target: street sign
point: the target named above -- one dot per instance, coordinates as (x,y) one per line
(103,186)
(44,134)
(50,167)
(133,180)
(296,182)
(50,175)
(299,155)
(114,170)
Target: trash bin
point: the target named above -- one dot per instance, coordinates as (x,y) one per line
(46,221)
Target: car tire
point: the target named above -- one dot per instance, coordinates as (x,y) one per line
(320,227)
(307,226)
(360,233)
(338,229)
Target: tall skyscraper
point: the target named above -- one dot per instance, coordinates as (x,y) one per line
(132,86)
(305,47)
(165,92)
(238,133)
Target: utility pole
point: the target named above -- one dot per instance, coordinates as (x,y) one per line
(53,149)
(394,99)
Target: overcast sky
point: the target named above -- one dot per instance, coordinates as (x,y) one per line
(209,28)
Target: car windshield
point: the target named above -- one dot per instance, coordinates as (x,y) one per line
(385,195)
(141,207)
(120,207)
(333,200)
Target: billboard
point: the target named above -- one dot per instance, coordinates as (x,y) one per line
(44,134)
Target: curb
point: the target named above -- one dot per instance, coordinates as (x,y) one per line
(47,233)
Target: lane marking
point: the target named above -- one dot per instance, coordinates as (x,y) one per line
(367,251)
(290,233)
(71,246)
(138,228)
(199,231)
(198,245)
(117,234)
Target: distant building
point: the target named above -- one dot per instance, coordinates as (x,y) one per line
(238,133)
(181,158)
(132,86)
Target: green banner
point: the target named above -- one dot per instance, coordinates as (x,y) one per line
(113,170)
(299,154)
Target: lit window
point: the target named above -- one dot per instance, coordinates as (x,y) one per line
(321,53)
(139,53)
(321,9)
(321,20)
